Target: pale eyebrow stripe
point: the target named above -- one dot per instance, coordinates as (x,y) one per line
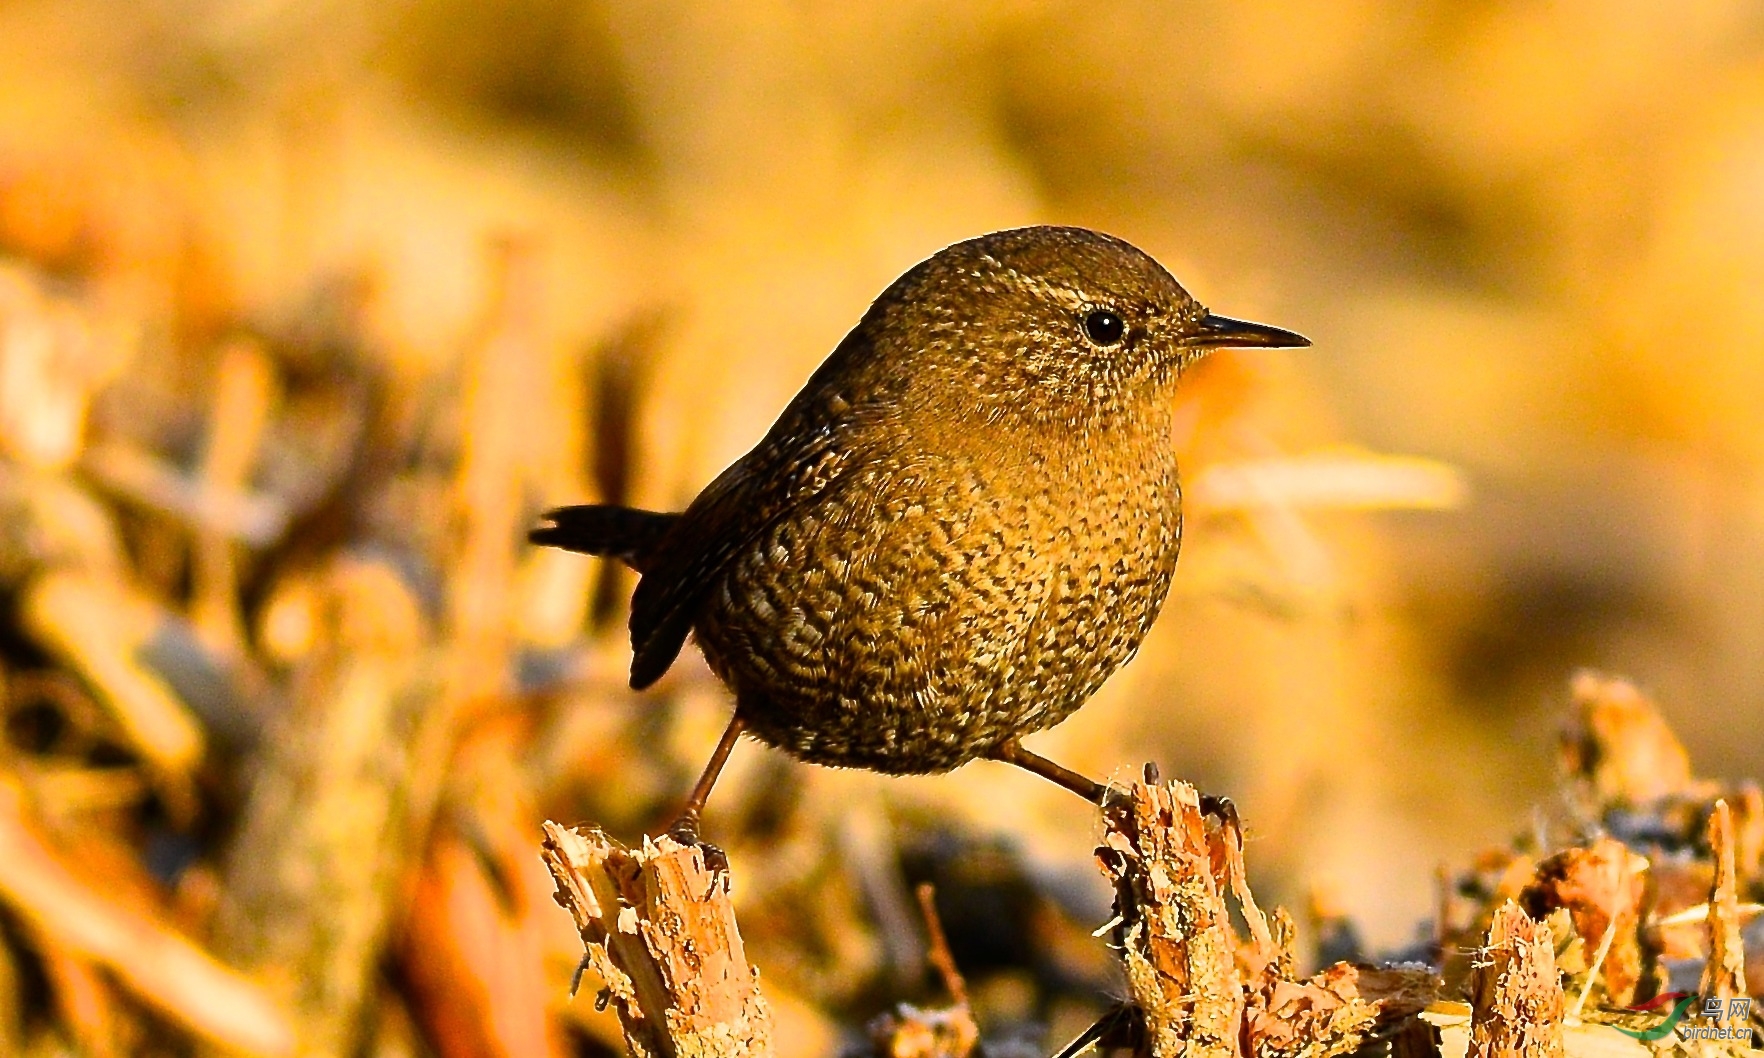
(1054,291)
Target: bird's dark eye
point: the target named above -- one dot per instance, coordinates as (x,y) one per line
(1104,327)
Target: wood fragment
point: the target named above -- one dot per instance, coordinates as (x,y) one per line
(1602,886)
(1724,975)
(54,522)
(1587,1039)
(1680,895)
(489,500)
(909,1031)
(12,1003)
(480,936)
(1748,832)
(1516,996)
(254,518)
(1175,934)
(473,959)
(244,397)
(1198,986)
(341,799)
(1620,745)
(1416,1038)
(83,1000)
(1470,899)
(99,627)
(1335,1011)
(658,928)
(52,361)
(1308,1018)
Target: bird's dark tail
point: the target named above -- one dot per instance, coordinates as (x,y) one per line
(624,533)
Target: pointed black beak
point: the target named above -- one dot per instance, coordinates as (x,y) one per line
(1222,332)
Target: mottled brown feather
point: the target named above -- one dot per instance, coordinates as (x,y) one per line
(963,524)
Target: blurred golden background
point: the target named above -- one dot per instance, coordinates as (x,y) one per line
(306,309)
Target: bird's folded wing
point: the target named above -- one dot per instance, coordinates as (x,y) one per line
(796,463)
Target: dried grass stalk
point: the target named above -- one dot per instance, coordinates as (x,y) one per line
(908,1031)
(98,627)
(79,920)
(341,799)
(244,398)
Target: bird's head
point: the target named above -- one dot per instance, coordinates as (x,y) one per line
(1051,324)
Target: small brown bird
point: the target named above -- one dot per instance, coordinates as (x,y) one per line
(962,525)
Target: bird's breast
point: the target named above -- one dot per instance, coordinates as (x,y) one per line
(925,608)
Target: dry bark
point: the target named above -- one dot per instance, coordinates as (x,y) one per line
(1602,887)
(1175,929)
(658,927)
(1724,975)
(1201,988)
(1516,997)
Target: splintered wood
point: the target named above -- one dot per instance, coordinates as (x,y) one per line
(1724,975)
(1516,996)
(1202,989)
(659,930)
(1602,887)
(1176,935)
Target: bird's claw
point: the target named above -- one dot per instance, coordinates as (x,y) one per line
(685,831)
(1222,809)
(1211,805)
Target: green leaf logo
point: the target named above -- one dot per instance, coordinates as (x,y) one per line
(1660,1031)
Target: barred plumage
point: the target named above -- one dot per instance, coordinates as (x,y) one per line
(964,523)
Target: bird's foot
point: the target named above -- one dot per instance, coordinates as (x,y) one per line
(1222,809)
(1212,805)
(685,828)
(685,831)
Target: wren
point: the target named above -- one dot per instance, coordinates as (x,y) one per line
(963,524)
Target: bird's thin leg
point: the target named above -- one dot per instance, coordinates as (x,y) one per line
(685,826)
(1012,752)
